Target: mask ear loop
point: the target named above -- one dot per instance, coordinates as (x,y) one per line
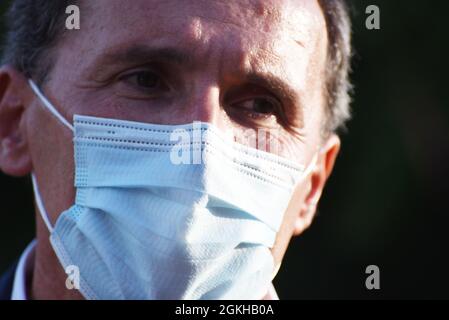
(49,106)
(308,170)
(40,205)
(310,167)
(52,110)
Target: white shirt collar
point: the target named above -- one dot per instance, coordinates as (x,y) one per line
(23,272)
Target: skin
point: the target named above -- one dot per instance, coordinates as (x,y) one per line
(226,43)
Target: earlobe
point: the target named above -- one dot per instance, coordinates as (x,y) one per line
(316,182)
(15,159)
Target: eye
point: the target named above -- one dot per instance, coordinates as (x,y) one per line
(258,108)
(145,81)
(259,105)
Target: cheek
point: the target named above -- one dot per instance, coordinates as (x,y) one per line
(288,224)
(291,147)
(52,159)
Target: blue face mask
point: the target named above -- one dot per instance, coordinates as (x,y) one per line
(147,226)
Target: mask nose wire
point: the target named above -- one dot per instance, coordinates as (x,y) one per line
(49,106)
(52,110)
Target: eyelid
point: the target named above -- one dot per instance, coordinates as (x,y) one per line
(253,117)
(267,97)
(128,88)
(135,72)
(250,119)
(250,91)
(277,107)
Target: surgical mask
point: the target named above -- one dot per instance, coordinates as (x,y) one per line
(144,227)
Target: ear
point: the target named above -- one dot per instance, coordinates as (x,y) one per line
(15,158)
(316,182)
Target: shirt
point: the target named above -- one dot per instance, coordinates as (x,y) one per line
(23,273)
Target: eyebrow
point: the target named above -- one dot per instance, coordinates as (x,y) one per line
(141,54)
(275,84)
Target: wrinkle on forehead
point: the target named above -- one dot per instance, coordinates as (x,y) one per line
(292,18)
(264,31)
(275,21)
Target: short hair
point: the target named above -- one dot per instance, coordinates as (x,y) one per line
(339,53)
(35,26)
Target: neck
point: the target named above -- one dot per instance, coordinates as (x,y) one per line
(48,276)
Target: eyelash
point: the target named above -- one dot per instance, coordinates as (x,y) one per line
(126,78)
(254,115)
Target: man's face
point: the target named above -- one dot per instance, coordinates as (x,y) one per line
(239,65)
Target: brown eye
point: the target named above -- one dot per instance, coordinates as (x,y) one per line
(145,81)
(263,106)
(257,107)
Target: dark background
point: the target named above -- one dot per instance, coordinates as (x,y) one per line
(384,204)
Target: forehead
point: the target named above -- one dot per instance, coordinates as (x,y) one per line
(272,29)
(260,16)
